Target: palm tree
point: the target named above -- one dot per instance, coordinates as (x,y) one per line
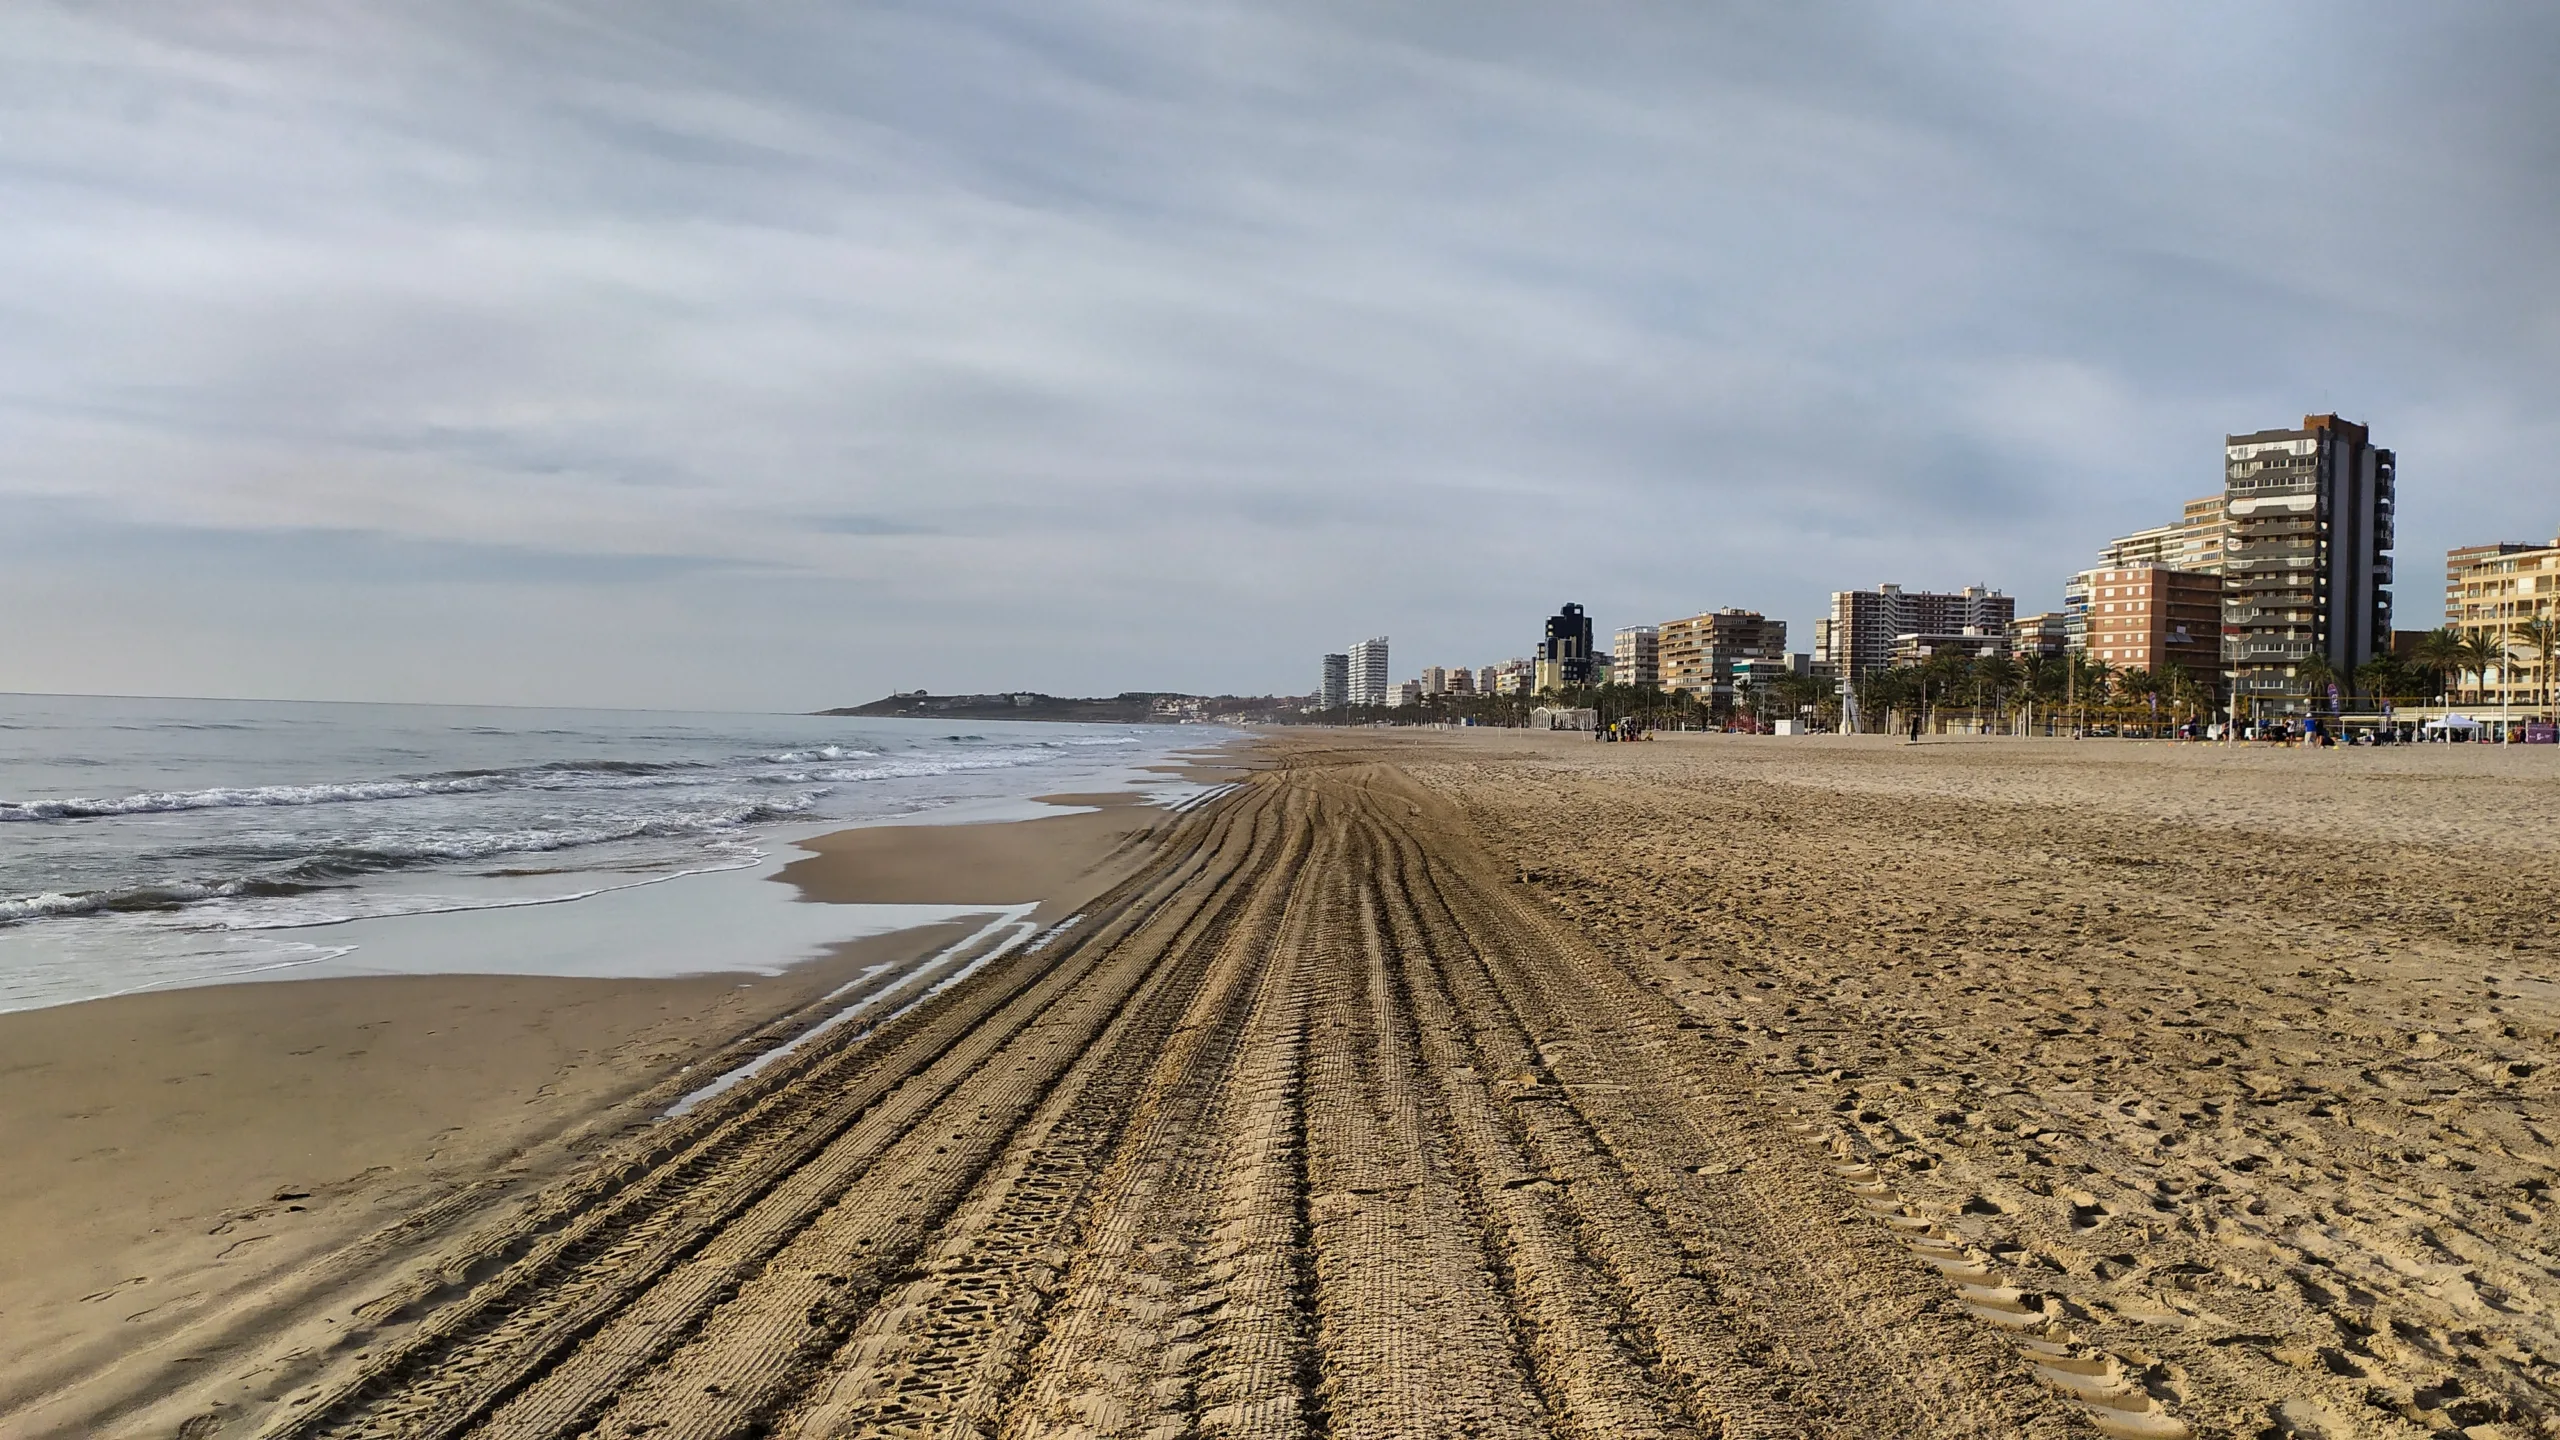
(2095,678)
(2381,678)
(2541,638)
(2476,653)
(2316,674)
(2440,652)
(2033,674)
(1992,677)
(2134,685)
(2179,688)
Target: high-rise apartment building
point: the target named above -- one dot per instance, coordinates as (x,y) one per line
(1334,690)
(2457,566)
(2075,610)
(2493,589)
(2192,544)
(2043,636)
(1486,676)
(1368,661)
(1697,655)
(1865,623)
(2207,523)
(1512,677)
(1564,656)
(1637,650)
(2142,617)
(1972,643)
(1460,681)
(2306,559)
(1435,680)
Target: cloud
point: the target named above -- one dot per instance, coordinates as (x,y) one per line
(1129,344)
(43,532)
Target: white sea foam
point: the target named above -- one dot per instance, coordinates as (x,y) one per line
(30,906)
(152,838)
(226,798)
(289,916)
(926,769)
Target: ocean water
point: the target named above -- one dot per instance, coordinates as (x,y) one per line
(147,843)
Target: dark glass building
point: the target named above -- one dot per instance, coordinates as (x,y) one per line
(1564,657)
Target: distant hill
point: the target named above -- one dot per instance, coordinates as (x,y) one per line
(1127,708)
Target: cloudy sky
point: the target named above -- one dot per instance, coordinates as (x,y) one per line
(780,356)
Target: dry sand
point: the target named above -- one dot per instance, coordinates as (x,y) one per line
(2239,1062)
(1507,1085)
(191,1174)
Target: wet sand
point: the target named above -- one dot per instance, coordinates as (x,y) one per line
(1003,864)
(193,1173)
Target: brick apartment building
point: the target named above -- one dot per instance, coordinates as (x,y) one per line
(2147,616)
(1697,655)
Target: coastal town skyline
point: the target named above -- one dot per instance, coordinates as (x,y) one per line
(2269,599)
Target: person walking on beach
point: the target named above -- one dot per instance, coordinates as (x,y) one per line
(1915,729)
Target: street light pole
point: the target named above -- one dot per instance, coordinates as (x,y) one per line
(2506,662)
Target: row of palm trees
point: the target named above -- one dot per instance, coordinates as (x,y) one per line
(2449,654)
(2080,691)
(2074,690)
(2020,694)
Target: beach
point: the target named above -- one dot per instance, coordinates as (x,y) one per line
(1407,1083)
(217,1172)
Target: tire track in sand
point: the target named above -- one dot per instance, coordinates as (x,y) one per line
(607,1239)
(1318,1128)
(1198,1215)
(947,1351)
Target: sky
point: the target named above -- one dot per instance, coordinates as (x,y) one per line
(782,356)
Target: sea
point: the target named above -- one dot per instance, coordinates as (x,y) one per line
(147,844)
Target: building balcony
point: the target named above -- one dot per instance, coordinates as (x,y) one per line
(2267,652)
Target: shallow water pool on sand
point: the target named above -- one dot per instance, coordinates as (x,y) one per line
(696,923)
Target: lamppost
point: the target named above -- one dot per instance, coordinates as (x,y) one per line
(2506,661)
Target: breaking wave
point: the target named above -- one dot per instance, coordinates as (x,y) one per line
(161,802)
(339,863)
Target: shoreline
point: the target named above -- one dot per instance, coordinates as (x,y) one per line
(197,1154)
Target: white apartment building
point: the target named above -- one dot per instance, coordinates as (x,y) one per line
(1635,656)
(1865,623)
(1369,672)
(1333,691)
